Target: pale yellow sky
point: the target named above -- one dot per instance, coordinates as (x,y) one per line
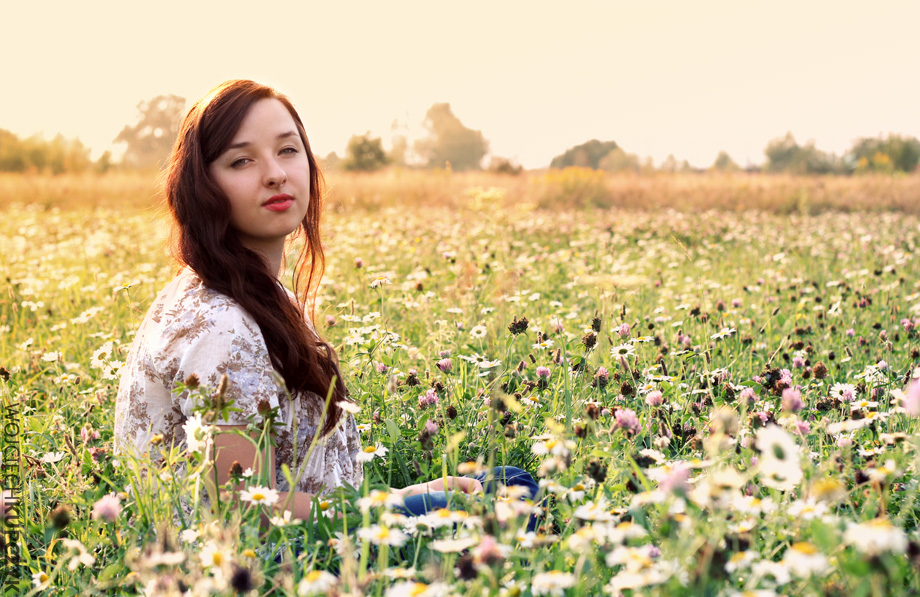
(684,77)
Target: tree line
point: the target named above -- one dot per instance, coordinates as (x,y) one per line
(59,155)
(889,154)
(449,144)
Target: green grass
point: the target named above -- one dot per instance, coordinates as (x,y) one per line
(792,289)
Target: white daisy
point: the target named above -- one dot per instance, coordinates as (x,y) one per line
(349,407)
(212,556)
(259,495)
(554,583)
(381,535)
(453,545)
(723,333)
(412,588)
(804,560)
(379,499)
(623,351)
(316,582)
(197,434)
(370,452)
(843,391)
(599,512)
(41,580)
(189,535)
(52,457)
(283,520)
(876,537)
(79,556)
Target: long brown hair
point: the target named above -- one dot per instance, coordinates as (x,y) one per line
(205,241)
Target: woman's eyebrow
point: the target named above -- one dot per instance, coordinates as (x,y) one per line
(239,144)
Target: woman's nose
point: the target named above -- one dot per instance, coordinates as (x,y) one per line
(274,174)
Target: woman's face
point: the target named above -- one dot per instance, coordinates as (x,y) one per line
(265,174)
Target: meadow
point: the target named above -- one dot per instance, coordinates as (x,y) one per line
(712,378)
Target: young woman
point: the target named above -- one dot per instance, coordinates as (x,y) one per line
(241,180)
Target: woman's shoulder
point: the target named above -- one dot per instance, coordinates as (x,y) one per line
(188,290)
(189,307)
(187,317)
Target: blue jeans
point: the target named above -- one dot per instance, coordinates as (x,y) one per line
(422,503)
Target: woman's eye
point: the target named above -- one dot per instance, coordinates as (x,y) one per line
(238,163)
(289,150)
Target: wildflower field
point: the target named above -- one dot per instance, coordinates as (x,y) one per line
(713,403)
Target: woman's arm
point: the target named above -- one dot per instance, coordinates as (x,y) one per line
(464,484)
(230,448)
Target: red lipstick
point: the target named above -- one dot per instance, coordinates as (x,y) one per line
(280,202)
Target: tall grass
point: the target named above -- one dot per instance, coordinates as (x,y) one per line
(713,402)
(565,189)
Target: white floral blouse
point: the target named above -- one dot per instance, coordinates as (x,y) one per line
(193,329)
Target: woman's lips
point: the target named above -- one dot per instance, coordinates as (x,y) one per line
(279,203)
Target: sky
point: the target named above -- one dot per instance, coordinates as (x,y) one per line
(688,78)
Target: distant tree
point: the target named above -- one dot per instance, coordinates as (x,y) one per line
(34,153)
(399,138)
(893,153)
(364,154)
(878,162)
(669,164)
(12,157)
(397,154)
(449,142)
(785,155)
(618,160)
(66,155)
(104,163)
(586,155)
(331,161)
(504,166)
(151,139)
(725,163)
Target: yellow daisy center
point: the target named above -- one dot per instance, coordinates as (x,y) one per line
(879,523)
(806,548)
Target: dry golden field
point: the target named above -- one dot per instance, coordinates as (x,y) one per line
(565,189)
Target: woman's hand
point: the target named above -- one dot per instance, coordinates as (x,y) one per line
(464,484)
